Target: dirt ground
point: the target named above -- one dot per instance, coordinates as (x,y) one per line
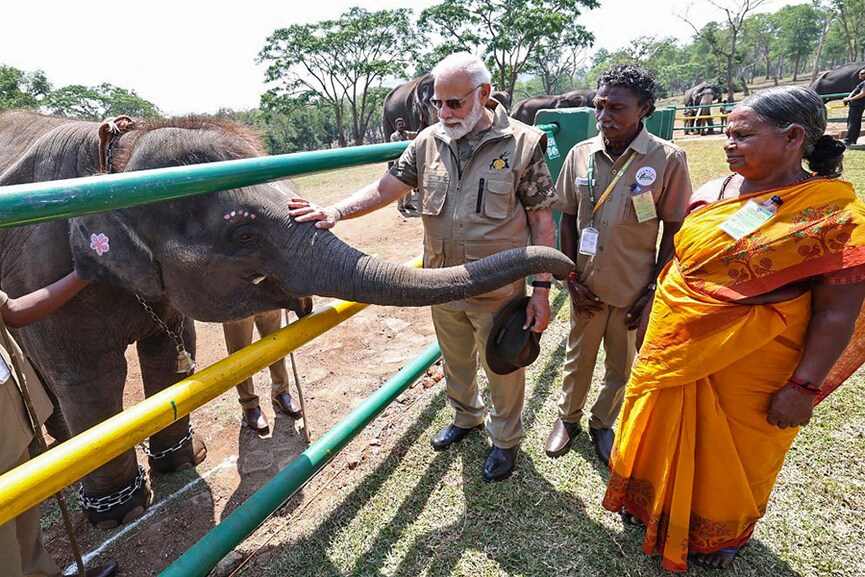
(337,371)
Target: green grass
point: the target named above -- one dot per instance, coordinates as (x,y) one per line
(423,513)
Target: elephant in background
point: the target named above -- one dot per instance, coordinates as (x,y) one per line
(838,80)
(411,102)
(502,98)
(525,110)
(214,258)
(703,95)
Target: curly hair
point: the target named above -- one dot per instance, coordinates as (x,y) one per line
(636,79)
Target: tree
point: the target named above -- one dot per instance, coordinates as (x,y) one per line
(851,17)
(724,45)
(19,89)
(558,58)
(341,62)
(508,33)
(98,102)
(798,30)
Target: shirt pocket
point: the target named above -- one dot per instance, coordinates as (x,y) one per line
(434,191)
(499,201)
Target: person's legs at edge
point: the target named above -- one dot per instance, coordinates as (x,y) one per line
(268,323)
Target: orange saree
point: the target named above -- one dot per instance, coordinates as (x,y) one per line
(695,458)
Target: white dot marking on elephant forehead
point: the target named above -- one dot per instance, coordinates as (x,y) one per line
(231,461)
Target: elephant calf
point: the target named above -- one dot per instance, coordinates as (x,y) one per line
(215,258)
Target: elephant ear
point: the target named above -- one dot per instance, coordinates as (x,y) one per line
(106,248)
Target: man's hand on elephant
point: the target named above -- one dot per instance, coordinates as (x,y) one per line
(584,301)
(538,311)
(640,307)
(302,210)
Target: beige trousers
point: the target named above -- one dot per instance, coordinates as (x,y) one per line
(21,550)
(462,337)
(238,334)
(584,341)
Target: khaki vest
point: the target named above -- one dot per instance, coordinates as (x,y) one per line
(470,217)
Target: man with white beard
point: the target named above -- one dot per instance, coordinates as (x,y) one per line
(483,187)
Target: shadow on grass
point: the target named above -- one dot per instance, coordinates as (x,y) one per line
(422,512)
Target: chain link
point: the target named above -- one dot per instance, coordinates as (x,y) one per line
(177,337)
(176,447)
(108,502)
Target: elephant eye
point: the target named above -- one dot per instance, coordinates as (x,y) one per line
(243,236)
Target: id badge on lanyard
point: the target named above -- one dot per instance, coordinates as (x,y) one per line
(589,235)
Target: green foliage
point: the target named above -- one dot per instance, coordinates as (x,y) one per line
(341,62)
(510,34)
(798,30)
(19,89)
(98,102)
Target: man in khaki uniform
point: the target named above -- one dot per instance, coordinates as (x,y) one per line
(21,550)
(483,186)
(614,192)
(407,203)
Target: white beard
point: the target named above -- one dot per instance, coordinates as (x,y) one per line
(459,128)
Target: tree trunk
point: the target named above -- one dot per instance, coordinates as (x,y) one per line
(816,68)
(796,68)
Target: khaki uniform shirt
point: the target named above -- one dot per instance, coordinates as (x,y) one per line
(627,250)
(15,429)
(474,194)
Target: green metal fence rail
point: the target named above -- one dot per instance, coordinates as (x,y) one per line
(222,539)
(40,201)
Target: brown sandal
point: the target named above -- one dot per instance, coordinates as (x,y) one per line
(630,519)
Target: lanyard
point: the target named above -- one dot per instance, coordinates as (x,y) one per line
(613,182)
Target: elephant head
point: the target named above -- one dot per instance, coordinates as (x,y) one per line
(231,254)
(575,98)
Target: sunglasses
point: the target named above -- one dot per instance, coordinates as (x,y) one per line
(452,103)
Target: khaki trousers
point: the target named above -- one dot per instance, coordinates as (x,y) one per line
(21,550)
(462,337)
(238,334)
(584,341)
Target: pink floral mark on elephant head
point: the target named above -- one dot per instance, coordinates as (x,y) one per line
(238,215)
(99,243)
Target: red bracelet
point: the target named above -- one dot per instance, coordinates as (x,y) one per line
(804,386)
(572,274)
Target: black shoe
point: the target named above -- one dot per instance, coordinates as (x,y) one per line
(500,463)
(255,420)
(602,440)
(448,436)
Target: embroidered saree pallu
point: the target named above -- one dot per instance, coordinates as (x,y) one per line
(695,458)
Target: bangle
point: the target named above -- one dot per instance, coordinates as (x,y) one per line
(542,284)
(572,274)
(804,386)
(651,286)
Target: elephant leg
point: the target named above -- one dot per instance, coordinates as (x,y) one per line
(118,491)
(175,447)
(268,323)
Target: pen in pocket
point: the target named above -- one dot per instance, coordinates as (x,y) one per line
(480,195)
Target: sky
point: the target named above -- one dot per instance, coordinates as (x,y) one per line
(191,56)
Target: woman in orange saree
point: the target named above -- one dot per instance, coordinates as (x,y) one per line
(741,335)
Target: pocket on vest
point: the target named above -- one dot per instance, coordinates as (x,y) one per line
(434,191)
(499,201)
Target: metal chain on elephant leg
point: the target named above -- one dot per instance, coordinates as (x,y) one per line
(108,502)
(172,449)
(185,363)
